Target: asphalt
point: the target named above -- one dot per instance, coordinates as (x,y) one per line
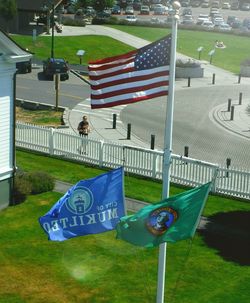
(101,121)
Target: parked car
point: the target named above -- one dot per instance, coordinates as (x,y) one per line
(116,10)
(224,27)
(187,11)
(131,18)
(205,4)
(144,10)
(187,20)
(129,10)
(235,6)
(226,5)
(245,6)
(207,24)
(160,10)
(201,18)
(24,67)
(53,66)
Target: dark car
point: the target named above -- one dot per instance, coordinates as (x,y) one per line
(116,10)
(54,66)
(23,67)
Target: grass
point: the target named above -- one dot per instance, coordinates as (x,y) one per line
(98,47)
(101,269)
(229,58)
(39,117)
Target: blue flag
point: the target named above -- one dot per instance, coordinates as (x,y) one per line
(89,207)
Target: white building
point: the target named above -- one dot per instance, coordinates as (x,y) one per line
(10,53)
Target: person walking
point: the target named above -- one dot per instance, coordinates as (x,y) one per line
(83,127)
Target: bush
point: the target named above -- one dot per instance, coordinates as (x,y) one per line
(40,182)
(22,188)
(72,22)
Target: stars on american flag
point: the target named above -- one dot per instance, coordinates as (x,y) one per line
(155,55)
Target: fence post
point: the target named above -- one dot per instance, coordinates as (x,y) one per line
(228,163)
(101,147)
(51,141)
(152,142)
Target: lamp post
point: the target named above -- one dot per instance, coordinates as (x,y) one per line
(199,50)
(211,53)
(80,53)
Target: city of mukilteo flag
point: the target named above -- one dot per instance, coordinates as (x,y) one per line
(89,207)
(139,75)
(171,220)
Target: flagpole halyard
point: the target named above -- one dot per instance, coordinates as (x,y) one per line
(168,148)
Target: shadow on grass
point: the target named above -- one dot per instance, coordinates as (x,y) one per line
(229,233)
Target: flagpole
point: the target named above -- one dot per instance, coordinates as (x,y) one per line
(168,148)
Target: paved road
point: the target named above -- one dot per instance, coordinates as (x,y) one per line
(200,120)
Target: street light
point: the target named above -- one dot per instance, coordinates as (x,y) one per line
(199,50)
(211,53)
(80,53)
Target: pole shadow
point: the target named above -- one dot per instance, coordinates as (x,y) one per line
(229,234)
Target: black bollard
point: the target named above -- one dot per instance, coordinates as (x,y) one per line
(186,150)
(129,131)
(240,98)
(189,81)
(152,142)
(114,121)
(239,78)
(213,81)
(229,105)
(232,113)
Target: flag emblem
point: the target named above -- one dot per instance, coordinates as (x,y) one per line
(80,202)
(160,220)
(139,75)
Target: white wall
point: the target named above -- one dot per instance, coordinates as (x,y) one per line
(6,119)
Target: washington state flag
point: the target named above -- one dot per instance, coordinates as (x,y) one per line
(171,220)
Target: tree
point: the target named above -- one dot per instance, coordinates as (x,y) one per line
(8,10)
(100,5)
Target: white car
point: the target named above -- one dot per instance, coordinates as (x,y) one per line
(131,18)
(218,21)
(224,27)
(207,24)
(226,5)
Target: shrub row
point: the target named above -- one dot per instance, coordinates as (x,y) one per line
(31,183)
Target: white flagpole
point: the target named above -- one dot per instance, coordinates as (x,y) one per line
(168,148)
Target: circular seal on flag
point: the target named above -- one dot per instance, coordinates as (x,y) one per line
(160,220)
(80,201)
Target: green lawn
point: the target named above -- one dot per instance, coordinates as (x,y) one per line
(236,51)
(99,268)
(98,47)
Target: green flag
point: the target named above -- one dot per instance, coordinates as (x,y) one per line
(170,220)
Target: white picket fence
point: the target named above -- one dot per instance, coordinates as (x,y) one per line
(139,161)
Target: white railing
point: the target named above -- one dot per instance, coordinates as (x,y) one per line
(140,161)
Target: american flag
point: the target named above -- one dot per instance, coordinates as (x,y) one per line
(139,75)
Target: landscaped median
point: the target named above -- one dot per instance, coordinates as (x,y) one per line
(99,268)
